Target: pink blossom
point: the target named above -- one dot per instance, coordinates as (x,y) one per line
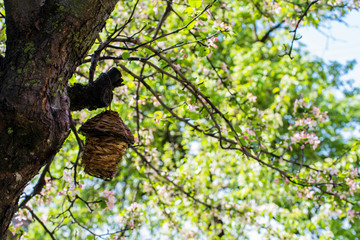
(353,172)
(310,194)
(329,186)
(251,97)
(44,217)
(62,193)
(299,122)
(224,67)
(155,101)
(352,185)
(315,111)
(299,103)
(225,27)
(191,108)
(142,101)
(21,215)
(333,171)
(323,117)
(276,181)
(83,116)
(286,181)
(134,206)
(211,43)
(297,137)
(311,180)
(73,191)
(205,71)
(110,198)
(311,123)
(132,101)
(275,9)
(122,91)
(67,176)
(350,214)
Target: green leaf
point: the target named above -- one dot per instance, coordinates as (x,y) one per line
(203,51)
(189,10)
(191,25)
(276,90)
(125,55)
(195,3)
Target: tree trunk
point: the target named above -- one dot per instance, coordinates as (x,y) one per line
(45,43)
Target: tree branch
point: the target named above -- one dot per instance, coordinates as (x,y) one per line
(267,34)
(38,187)
(41,222)
(96,55)
(288,52)
(164,17)
(97,94)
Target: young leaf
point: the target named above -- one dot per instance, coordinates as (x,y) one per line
(195,3)
(125,55)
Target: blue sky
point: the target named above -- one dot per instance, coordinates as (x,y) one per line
(342,42)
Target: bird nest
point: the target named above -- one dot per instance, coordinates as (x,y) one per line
(107,138)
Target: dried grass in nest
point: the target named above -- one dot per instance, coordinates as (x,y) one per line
(102,156)
(107,138)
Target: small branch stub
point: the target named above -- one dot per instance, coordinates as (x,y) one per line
(97,94)
(107,138)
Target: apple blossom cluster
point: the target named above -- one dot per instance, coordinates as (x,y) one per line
(121,93)
(306,119)
(305,138)
(146,137)
(109,198)
(165,192)
(274,8)
(251,98)
(21,218)
(341,184)
(350,4)
(132,216)
(192,107)
(221,26)
(184,54)
(211,42)
(69,188)
(143,101)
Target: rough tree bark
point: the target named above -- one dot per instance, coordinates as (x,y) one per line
(46,41)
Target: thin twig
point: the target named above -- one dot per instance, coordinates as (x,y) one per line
(81,146)
(41,223)
(296,28)
(96,55)
(163,17)
(38,187)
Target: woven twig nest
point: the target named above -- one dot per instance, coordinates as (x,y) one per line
(107,138)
